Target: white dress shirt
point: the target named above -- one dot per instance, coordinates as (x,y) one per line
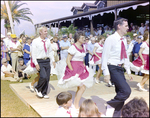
(111,53)
(14,45)
(6,41)
(38,51)
(61,112)
(130,48)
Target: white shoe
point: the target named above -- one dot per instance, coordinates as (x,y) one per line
(109,111)
(140,88)
(31,87)
(21,80)
(46,96)
(39,94)
(96,81)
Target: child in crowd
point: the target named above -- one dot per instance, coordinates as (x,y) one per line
(66,108)
(21,67)
(89,109)
(137,107)
(7,72)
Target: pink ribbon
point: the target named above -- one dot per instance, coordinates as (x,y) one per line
(123,51)
(44,45)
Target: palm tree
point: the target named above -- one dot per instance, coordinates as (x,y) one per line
(17,14)
(65,30)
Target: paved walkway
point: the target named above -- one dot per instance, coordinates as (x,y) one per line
(99,93)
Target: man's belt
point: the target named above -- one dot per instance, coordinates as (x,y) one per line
(120,65)
(44,58)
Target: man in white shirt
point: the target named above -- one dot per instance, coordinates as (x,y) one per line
(41,55)
(6,41)
(13,44)
(64,45)
(113,57)
(141,29)
(70,39)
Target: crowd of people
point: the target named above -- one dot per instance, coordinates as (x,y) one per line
(75,61)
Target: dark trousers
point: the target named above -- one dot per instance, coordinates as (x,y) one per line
(44,75)
(121,87)
(86,59)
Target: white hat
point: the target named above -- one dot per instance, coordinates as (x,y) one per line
(140,37)
(135,34)
(2,36)
(9,33)
(51,38)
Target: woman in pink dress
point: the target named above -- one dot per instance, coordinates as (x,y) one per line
(97,54)
(142,62)
(75,73)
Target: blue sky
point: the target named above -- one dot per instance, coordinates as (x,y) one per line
(43,11)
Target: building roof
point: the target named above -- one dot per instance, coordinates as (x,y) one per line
(122,5)
(89,4)
(78,8)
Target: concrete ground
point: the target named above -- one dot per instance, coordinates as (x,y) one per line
(99,93)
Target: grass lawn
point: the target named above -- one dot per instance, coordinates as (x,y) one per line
(11,105)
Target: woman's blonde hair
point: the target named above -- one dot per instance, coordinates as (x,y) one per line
(89,108)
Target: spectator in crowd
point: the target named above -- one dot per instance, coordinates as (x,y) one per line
(21,68)
(2,36)
(56,57)
(146,28)
(21,37)
(109,30)
(100,31)
(70,39)
(129,48)
(27,52)
(106,26)
(4,50)
(89,33)
(141,29)
(90,51)
(7,72)
(137,107)
(89,109)
(58,45)
(13,44)
(136,49)
(131,27)
(64,45)
(95,32)
(137,29)
(6,41)
(66,108)
(24,39)
(86,32)
(134,41)
(86,59)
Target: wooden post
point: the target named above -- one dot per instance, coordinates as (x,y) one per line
(58,26)
(91,26)
(115,13)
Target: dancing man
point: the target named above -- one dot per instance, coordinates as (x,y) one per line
(113,57)
(41,55)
